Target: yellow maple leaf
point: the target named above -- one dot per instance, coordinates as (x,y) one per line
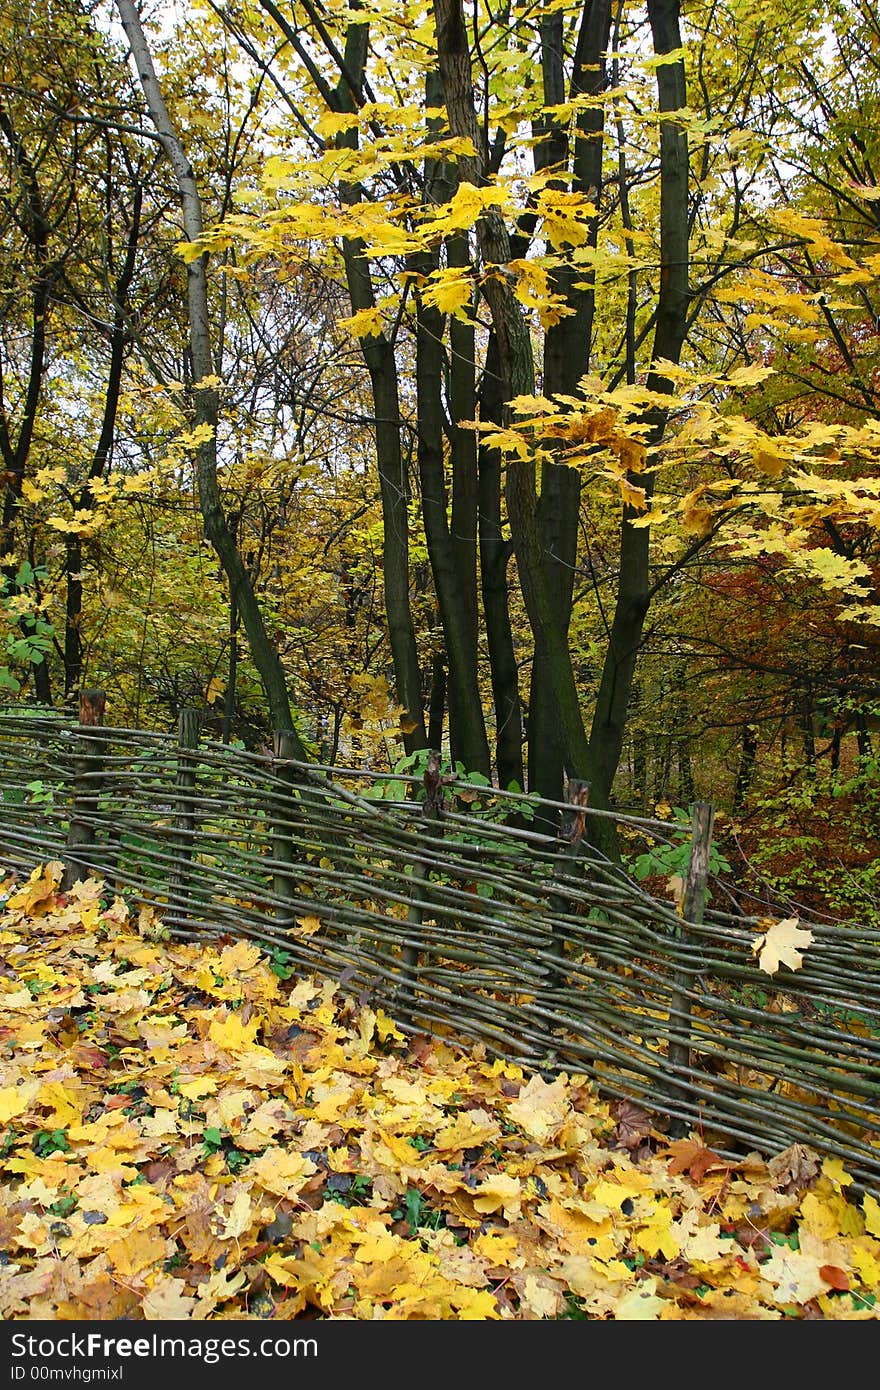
(656,1236)
(468,1130)
(541,1107)
(366,323)
(281,1171)
(539,1298)
(475,1305)
(240,958)
(502,1192)
(566,217)
(377,1245)
(871,1208)
(17,999)
(782,944)
(641,1303)
(13,1101)
(56,1096)
(307,926)
(794,1277)
(833,1168)
(866,1264)
(228,1031)
(137,1252)
(768,457)
(34,895)
(201,1086)
(168,1299)
(450,291)
(499,1249)
(386,1028)
(239,1217)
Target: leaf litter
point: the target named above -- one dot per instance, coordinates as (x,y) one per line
(190,1131)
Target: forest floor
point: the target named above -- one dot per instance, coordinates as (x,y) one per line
(194,1132)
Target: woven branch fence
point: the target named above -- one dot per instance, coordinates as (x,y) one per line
(447,906)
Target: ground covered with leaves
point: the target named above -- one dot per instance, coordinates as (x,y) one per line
(194,1132)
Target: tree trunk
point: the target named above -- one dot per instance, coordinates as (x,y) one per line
(746,770)
(206,399)
(495,554)
(36,228)
(516,371)
(606,736)
(380,361)
(467,731)
(566,355)
(437,703)
(73,644)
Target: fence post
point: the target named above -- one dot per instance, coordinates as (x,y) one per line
(570,835)
(87,788)
(429,829)
(184,804)
(693,907)
(283,882)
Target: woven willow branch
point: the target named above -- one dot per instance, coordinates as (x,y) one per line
(470,927)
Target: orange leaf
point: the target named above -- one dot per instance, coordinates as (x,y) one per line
(690,1156)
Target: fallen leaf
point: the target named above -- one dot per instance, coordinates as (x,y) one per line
(782,944)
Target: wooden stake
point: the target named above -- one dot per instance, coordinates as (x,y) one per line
(283,881)
(185,806)
(87,788)
(693,907)
(430,829)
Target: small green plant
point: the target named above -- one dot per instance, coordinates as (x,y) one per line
(419,1214)
(213,1140)
(29,638)
(280,963)
(574,1309)
(65,1205)
(672,859)
(236,1160)
(486,808)
(8,1142)
(350,1191)
(39,794)
(50,1141)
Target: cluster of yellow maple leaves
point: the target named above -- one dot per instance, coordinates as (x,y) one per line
(190,1131)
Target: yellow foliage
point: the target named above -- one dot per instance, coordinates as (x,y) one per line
(367,1174)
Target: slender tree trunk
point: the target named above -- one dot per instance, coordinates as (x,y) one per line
(73,644)
(566,356)
(462,391)
(516,370)
(467,730)
(453,561)
(808,733)
(36,228)
(495,555)
(217,530)
(437,703)
(639,752)
(606,737)
(231,674)
(685,774)
(393,488)
(746,770)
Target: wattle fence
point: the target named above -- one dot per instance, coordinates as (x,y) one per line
(449,904)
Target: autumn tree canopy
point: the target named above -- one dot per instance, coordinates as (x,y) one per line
(501,380)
